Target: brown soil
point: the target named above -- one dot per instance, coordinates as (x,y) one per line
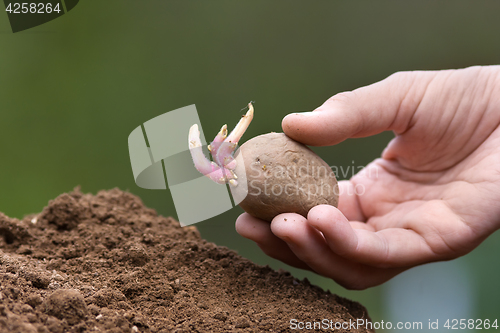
(107,263)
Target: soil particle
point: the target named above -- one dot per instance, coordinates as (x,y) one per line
(106,263)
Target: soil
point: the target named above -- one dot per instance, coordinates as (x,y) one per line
(106,263)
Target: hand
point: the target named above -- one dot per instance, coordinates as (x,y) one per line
(433,195)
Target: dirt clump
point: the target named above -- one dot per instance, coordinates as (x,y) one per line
(107,263)
(66,304)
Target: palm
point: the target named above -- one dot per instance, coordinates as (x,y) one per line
(434,194)
(435,205)
(441,184)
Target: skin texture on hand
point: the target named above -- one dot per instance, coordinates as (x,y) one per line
(433,195)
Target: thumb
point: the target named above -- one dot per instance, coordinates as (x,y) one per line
(386,105)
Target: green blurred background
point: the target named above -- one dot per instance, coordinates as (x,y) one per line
(73,89)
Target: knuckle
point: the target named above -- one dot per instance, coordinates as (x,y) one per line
(346,98)
(399,77)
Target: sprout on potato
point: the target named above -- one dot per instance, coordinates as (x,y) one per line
(271,173)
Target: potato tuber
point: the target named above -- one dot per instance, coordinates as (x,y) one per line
(283,176)
(270,174)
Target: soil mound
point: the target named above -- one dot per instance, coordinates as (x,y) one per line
(106,263)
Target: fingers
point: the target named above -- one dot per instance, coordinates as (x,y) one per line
(392,247)
(385,105)
(289,227)
(309,246)
(352,253)
(259,231)
(298,244)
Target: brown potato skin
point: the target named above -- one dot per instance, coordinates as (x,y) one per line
(282,176)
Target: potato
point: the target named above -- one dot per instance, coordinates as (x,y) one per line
(281,176)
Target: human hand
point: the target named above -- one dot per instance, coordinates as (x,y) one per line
(433,195)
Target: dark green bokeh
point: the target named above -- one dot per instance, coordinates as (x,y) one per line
(74,88)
